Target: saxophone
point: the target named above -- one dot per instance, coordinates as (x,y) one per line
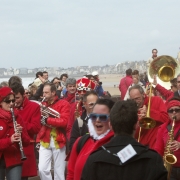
(168,157)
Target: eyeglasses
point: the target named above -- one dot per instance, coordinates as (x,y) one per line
(102,117)
(174,110)
(9,101)
(27,92)
(91,104)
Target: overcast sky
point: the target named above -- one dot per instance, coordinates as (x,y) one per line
(67,33)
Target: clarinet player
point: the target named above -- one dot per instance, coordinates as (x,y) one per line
(10,155)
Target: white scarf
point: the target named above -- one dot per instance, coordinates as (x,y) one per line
(93,133)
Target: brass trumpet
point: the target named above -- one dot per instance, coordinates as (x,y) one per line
(147,122)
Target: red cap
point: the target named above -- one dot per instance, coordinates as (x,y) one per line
(4,92)
(84,84)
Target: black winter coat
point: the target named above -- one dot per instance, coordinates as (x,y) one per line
(76,131)
(145,165)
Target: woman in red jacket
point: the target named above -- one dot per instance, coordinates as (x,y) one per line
(10,156)
(100,134)
(162,145)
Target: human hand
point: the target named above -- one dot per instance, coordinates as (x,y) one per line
(175,145)
(15,137)
(142,112)
(19,128)
(154,80)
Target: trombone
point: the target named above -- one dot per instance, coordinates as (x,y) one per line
(147,122)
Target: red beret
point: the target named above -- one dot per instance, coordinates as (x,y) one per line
(4,92)
(173,103)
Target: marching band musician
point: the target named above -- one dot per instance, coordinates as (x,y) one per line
(168,94)
(10,156)
(173,109)
(70,96)
(52,135)
(83,85)
(157,113)
(30,113)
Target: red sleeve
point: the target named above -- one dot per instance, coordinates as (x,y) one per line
(24,135)
(34,126)
(158,110)
(164,92)
(72,161)
(63,107)
(71,120)
(159,145)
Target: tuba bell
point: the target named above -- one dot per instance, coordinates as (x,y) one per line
(166,68)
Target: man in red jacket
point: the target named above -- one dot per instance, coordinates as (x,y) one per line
(70,96)
(125,83)
(157,112)
(31,115)
(53,135)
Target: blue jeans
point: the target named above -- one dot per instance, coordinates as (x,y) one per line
(11,173)
(175,173)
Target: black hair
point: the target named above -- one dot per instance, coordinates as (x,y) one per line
(92,92)
(14,79)
(129,72)
(63,75)
(39,73)
(174,98)
(44,72)
(18,88)
(107,102)
(52,81)
(174,82)
(52,86)
(155,50)
(123,117)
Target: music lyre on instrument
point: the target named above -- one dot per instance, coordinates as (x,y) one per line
(147,122)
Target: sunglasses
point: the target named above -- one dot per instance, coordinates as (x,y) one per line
(9,101)
(102,117)
(174,110)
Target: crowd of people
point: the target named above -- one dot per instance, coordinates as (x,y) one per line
(74,128)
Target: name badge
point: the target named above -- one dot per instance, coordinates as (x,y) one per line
(1,128)
(126,153)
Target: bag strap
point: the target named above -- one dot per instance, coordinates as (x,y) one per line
(81,142)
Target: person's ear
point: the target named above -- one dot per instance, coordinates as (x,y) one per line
(110,126)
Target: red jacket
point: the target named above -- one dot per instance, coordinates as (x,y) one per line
(63,107)
(11,152)
(124,84)
(162,136)
(158,112)
(31,116)
(77,161)
(71,99)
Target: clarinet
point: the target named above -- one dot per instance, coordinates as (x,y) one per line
(23,157)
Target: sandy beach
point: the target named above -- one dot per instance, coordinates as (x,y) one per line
(110,82)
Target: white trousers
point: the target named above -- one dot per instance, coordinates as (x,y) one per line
(45,156)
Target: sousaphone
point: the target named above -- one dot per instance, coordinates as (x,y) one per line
(166,68)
